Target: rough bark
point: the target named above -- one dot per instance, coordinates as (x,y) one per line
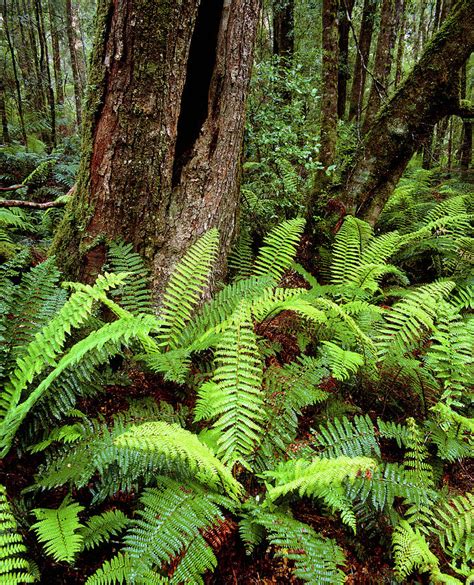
(362,59)
(427,95)
(78,86)
(329,77)
(343,74)
(283,28)
(383,60)
(163,132)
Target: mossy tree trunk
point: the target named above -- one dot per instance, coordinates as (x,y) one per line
(162,134)
(429,93)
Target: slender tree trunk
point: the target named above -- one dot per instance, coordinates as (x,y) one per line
(78,87)
(327,152)
(162,133)
(79,45)
(465,147)
(383,60)
(6,27)
(428,94)
(343,74)
(283,28)
(362,59)
(58,77)
(441,129)
(45,72)
(3,113)
(401,45)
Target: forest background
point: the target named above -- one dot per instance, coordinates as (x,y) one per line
(262,371)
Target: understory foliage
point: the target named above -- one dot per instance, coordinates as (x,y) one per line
(235,458)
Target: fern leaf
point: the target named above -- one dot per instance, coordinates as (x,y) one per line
(279,249)
(186,286)
(59,530)
(171,442)
(100,528)
(411,551)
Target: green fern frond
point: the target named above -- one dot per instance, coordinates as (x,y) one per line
(311,477)
(185,287)
(171,525)
(340,437)
(411,551)
(342,363)
(60,530)
(317,559)
(100,528)
(411,318)
(279,249)
(452,522)
(236,399)
(240,259)
(169,442)
(134,293)
(119,569)
(14,567)
(347,250)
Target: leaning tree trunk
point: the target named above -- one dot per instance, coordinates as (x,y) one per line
(162,134)
(427,95)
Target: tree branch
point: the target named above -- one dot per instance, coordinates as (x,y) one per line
(31,204)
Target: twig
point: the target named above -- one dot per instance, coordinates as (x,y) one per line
(12,188)
(31,204)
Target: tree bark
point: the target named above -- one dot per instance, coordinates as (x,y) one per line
(283,28)
(401,45)
(383,60)
(162,134)
(329,77)
(58,77)
(343,74)
(78,86)
(11,49)
(362,59)
(428,94)
(3,114)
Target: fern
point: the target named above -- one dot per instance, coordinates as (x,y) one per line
(317,559)
(134,293)
(14,567)
(342,363)
(59,530)
(100,528)
(185,287)
(341,437)
(278,250)
(170,525)
(118,570)
(411,551)
(168,442)
(234,395)
(452,523)
(240,259)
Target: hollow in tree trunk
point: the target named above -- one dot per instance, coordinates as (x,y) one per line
(162,133)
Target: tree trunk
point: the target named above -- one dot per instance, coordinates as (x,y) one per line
(465,147)
(329,77)
(6,28)
(283,28)
(383,60)
(46,73)
(427,95)
(3,113)
(362,59)
(401,45)
(58,78)
(343,74)
(78,86)
(162,133)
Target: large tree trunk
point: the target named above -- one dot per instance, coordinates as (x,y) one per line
(428,94)
(362,59)
(383,60)
(162,133)
(345,14)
